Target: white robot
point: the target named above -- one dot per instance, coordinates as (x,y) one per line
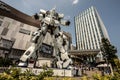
(50,22)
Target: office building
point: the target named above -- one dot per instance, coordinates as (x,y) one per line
(89,30)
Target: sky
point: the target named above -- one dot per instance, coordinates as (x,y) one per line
(109,11)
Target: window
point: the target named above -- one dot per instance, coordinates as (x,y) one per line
(0,23)
(4,32)
(6,43)
(24,31)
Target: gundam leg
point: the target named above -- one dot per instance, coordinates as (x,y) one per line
(63,60)
(36,44)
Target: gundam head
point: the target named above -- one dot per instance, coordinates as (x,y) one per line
(51,17)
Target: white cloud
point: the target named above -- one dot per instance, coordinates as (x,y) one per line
(75,2)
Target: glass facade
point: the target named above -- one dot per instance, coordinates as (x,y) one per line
(89,30)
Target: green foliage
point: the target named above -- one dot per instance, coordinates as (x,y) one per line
(97,77)
(5,76)
(84,78)
(106,77)
(27,74)
(109,51)
(50,78)
(5,62)
(45,73)
(116,76)
(15,74)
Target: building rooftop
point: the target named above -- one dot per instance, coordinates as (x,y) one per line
(8,11)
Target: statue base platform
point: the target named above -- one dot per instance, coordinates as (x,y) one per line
(56,72)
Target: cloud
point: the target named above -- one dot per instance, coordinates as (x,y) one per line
(75,2)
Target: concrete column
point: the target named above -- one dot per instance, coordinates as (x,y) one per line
(88,58)
(91,59)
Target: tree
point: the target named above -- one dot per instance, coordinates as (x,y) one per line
(5,62)
(109,51)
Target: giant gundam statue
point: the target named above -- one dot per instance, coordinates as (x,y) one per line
(50,22)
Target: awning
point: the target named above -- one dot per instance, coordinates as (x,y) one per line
(103,65)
